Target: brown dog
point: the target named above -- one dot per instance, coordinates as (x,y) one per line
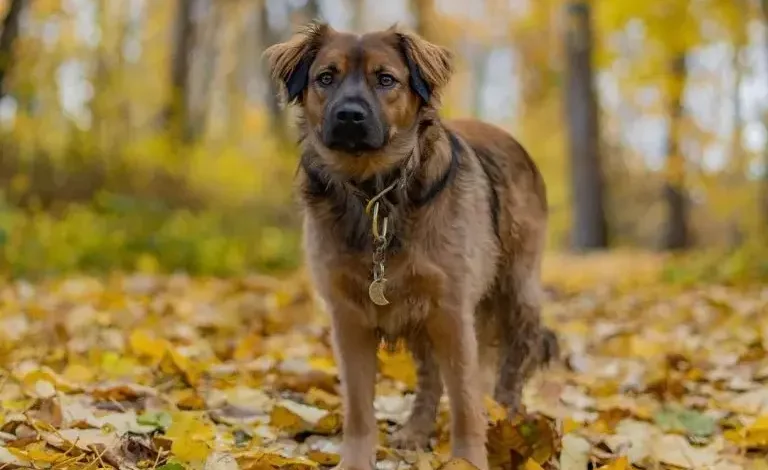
(414,228)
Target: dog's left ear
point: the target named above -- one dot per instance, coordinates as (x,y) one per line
(430,66)
(289,61)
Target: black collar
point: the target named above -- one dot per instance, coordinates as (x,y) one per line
(320,183)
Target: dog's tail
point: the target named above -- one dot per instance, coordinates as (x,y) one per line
(550,348)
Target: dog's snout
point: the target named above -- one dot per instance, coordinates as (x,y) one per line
(351,113)
(352,125)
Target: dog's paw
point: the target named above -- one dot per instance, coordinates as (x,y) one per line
(410,438)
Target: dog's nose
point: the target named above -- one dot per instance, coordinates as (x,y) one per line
(351,113)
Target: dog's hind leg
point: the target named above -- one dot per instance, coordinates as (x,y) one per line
(524,343)
(421,423)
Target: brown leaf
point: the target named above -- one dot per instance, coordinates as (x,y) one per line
(512,442)
(457,464)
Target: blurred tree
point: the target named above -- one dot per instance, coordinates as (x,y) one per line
(209,33)
(676,232)
(358,14)
(269,36)
(7,39)
(764,181)
(423,13)
(589,223)
(312,10)
(178,108)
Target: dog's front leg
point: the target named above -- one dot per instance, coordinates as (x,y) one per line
(355,351)
(451,331)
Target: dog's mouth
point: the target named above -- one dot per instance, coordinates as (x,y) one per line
(353,128)
(354,140)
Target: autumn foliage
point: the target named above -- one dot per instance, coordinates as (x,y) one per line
(146,170)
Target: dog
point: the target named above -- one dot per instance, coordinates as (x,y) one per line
(414,228)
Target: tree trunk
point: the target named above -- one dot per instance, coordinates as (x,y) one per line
(267,38)
(178,111)
(764,180)
(479,62)
(422,11)
(358,15)
(590,229)
(676,233)
(209,34)
(8,36)
(312,10)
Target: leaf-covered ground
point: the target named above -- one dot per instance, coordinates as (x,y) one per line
(140,372)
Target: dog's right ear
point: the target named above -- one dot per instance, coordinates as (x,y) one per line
(430,66)
(289,61)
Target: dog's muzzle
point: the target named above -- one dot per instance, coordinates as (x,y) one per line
(352,128)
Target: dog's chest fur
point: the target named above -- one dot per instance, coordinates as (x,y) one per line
(343,272)
(435,262)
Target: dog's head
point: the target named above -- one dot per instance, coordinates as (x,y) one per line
(361,96)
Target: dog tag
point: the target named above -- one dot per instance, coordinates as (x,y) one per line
(376,292)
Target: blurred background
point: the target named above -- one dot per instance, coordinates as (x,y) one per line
(145,135)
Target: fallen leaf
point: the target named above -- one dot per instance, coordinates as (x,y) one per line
(530,436)
(220,461)
(398,365)
(322,399)
(158,419)
(693,423)
(675,450)
(9,460)
(621,463)
(531,464)
(574,454)
(293,418)
(259,460)
(495,411)
(191,436)
(144,344)
(458,464)
(753,437)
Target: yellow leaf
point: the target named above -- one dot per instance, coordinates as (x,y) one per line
(294,418)
(44,374)
(177,362)
(188,399)
(78,373)
(322,399)
(259,460)
(457,464)
(37,452)
(531,464)
(191,435)
(570,425)
(248,348)
(398,366)
(324,458)
(323,364)
(752,437)
(144,344)
(496,412)
(115,365)
(622,463)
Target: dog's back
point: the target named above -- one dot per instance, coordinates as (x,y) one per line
(516,179)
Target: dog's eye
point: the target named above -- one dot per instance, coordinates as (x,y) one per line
(325,78)
(386,80)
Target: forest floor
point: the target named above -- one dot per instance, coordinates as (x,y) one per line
(172,372)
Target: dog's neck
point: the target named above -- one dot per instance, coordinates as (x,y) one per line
(422,175)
